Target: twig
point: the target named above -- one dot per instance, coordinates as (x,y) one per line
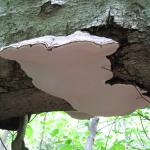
(33,118)
(42,136)
(137,135)
(134,147)
(143,116)
(12,134)
(108,136)
(141,94)
(144,128)
(107,125)
(137,88)
(106,68)
(3,143)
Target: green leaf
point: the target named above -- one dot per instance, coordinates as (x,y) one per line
(29,131)
(118,146)
(66,147)
(42,114)
(68,141)
(99,144)
(54,132)
(86,124)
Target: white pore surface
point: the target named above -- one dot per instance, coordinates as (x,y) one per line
(74,70)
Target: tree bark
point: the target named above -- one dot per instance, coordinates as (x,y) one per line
(18,143)
(127,22)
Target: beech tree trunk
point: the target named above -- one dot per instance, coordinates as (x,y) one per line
(127,22)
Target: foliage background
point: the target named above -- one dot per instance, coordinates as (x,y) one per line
(58,131)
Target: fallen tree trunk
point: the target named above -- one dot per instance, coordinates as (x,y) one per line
(126,22)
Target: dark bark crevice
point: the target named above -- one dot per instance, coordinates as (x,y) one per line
(130,63)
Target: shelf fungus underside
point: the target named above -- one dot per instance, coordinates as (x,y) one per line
(76,69)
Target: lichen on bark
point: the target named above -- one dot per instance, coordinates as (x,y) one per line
(22,20)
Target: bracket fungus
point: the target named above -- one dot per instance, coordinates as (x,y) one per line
(73,67)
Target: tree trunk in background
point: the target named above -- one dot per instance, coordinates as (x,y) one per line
(127,22)
(42,133)
(93,129)
(18,142)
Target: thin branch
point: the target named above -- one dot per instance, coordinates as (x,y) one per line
(137,88)
(42,136)
(3,143)
(78,124)
(33,118)
(134,147)
(107,125)
(144,128)
(143,116)
(106,68)
(137,135)
(108,136)
(142,95)
(13,133)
